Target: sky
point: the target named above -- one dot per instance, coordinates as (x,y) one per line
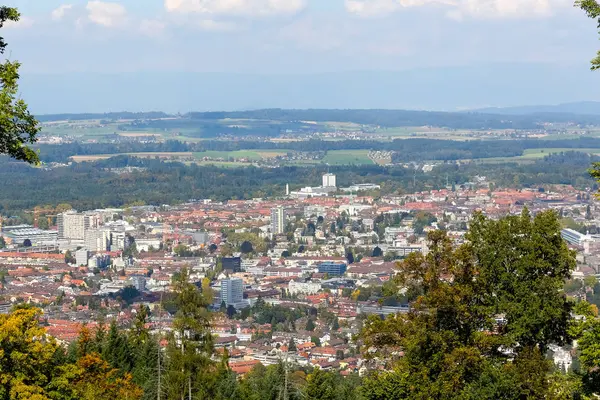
(154,41)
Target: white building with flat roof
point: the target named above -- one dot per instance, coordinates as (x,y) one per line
(329,181)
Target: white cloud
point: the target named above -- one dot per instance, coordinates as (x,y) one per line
(60,12)
(216,26)
(22,23)
(458,9)
(236,7)
(106,14)
(152,27)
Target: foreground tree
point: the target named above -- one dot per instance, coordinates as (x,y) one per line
(592,9)
(190,371)
(18,127)
(26,355)
(484,315)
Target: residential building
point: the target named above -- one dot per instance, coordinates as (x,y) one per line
(303,287)
(81,257)
(138,282)
(232,291)
(278,220)
(72,225)
(97,240)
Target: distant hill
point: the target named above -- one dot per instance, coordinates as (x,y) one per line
(581,108)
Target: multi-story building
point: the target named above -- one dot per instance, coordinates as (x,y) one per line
(81,257)
(332,268)
(232,291)
(329,181)
(232,264)
(97,240)
(574,237)
(72,225)
(278,220)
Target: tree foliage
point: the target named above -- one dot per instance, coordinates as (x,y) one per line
(592,9)
(484,315)
(18,127)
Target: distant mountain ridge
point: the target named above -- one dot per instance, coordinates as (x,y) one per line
(580,108)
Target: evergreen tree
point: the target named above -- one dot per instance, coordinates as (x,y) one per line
(190,371)
(310,325)
(292,346)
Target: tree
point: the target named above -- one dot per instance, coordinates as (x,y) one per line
(212,248)
(377,252)
(93,379)
(231,311)
(27,243)
(190,347)
(292,346)
(26,356)
(350,257)
(310,325)
(2,242)
(285,254)
(320,385)
(69,259)
(592,9)
(19,127)
(246,247)
(336,324)
(514,267)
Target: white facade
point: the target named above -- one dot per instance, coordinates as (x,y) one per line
(278,219)
(329,180)
(72,225)
(81,257)
(97,240)
(303,287)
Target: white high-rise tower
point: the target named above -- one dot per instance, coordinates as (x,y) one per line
(329,181)
(278,220)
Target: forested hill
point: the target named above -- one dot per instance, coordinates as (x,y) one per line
(384,118)
(90,185)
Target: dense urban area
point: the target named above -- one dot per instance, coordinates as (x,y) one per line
(273,254)
(282,269)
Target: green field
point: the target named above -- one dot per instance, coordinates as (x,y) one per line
(531,155)
(541,153)
(347,157)
(251,155)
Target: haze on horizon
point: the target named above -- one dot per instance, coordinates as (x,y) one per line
(182,55)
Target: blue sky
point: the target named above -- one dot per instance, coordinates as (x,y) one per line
(295,36)
(280,36)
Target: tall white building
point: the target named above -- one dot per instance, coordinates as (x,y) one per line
(97,240)
(329,181)
(232,291)
(278,220)
(72,225)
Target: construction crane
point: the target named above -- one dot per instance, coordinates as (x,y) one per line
(48,212)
